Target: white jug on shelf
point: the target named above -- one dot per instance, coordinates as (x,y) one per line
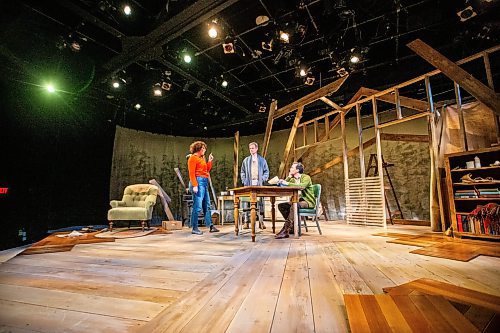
(477,162)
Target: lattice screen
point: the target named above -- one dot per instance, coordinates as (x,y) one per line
(365,201)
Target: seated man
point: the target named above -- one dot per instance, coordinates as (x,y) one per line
(296,177)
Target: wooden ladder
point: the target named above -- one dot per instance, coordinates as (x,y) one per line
(373,164)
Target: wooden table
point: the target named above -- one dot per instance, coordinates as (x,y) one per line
(265,191)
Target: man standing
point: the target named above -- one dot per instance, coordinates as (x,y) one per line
(296,177)
(254,172)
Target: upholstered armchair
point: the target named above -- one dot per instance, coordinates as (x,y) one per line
(137,204)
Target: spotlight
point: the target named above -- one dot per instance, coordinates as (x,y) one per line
(262,20)
(127,10)
(166,85)
(466,14)
(262,107)
(309,80)
(157,90)
(284,37)
(137,106)
(50,88)
(302,72)
(228,48)
(342,72)
(212,32)
(268,46)
(115,84)
(354,59)
(224,84)
(75,46)
(187,58)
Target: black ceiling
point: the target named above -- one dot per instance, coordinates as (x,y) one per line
(139,49)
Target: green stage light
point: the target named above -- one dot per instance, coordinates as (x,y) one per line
(50,88)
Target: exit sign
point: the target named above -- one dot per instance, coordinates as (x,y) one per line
(4,190)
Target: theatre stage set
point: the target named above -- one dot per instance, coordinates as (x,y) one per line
(392,108)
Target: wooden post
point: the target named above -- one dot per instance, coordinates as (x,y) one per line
(315,130)
(291,138)
(379,159)
(236,149)
(269,126)
(475,87)
(344,147)
(398,103)
(436,204)
(462,133)
(360,139)
(489,77)
(304,134)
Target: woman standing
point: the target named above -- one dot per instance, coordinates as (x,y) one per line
(199,171)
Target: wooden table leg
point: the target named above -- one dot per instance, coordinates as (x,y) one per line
(273,213)
(253,215)
(236,212)
(295,200)
(223,213)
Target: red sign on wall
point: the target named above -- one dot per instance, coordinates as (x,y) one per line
(4,190)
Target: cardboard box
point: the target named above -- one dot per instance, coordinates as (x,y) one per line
(171,225)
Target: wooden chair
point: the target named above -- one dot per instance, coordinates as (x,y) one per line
(311,212)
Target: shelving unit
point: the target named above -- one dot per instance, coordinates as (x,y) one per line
(455,165)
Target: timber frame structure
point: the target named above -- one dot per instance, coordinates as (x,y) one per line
(365,201)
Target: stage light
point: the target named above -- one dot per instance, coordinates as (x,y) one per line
(302,72)
(224,84)
(165,85)
(354,59)
(284,37)
(309,80)
(466,13)
(50,88)
(115,84)
(137,106)
(228,45)
(157,90)
(127,10)
(262,107)
(187,58)
(212,32)
(268,46)
(342,72)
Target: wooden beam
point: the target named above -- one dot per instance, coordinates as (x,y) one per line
(332,104)
(410,103)
(236,150)
(314,96)
(269,127)
(329,126)
(402,120)
(290,141)
(404,137)
(475,87)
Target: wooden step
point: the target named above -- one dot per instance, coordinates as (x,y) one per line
(404,313)
(448,291)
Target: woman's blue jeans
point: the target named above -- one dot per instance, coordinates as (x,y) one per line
(201,200)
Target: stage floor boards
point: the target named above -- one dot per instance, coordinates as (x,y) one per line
(218,282)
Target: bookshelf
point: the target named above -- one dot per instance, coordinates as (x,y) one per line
(472,188)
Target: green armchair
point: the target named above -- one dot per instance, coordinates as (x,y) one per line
(136,205)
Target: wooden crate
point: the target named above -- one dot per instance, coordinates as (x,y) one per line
(171,225)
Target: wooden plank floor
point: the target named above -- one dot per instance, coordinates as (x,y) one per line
(221,283)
